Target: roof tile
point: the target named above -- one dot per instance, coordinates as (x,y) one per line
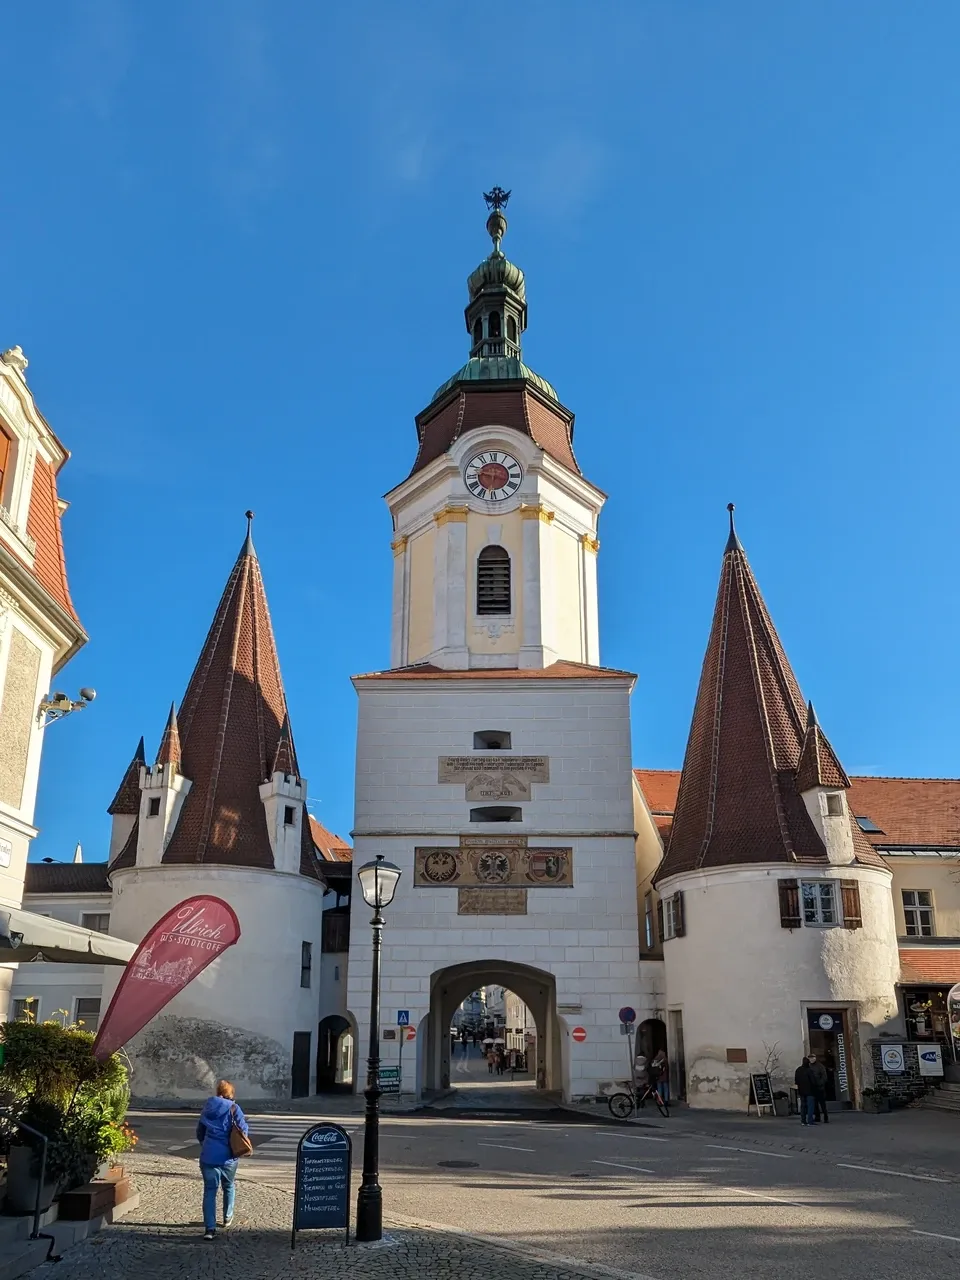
(127,799)
(561,670)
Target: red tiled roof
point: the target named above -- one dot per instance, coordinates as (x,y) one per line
(66,877)
(502,405)
(561,670)
(330,846)
(230,722)
(819,766)
(930,964)
(911,812)
(170,752)
(43,525)
(127,799)
(739,800)
(285,760)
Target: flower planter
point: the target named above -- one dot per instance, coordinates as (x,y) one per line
(781,1106)
(22,1183)
(876,1106)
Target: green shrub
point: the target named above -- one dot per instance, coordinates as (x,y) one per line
(61,1089)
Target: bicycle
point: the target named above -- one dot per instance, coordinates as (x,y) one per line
(622,1105)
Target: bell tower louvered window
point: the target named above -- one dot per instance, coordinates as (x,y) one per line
(493,581)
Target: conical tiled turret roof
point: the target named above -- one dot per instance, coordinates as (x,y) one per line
(740,792)
(127,800)
(169,752)
(819,766)
(230,724)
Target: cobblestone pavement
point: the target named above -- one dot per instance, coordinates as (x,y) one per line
(163,1240)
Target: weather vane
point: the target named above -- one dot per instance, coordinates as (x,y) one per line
(497,198)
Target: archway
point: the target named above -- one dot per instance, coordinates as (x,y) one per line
(335,1055)
(450,987)
(651,1037)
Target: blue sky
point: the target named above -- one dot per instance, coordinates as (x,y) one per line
(236,241)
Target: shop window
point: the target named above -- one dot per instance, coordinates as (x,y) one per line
(918,912)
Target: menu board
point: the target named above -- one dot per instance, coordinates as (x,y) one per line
(321,1197)
(761,1089)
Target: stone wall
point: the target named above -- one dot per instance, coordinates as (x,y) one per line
(905,1085)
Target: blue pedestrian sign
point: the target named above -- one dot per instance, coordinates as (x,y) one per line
(403,1017)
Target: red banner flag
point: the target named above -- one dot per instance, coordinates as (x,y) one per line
(177,948)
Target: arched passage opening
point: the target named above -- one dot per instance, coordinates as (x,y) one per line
(335,1055)
(451,986)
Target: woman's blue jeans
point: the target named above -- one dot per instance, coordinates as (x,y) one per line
(216,1176)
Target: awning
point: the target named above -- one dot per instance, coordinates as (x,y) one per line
(25,936)
(937,966)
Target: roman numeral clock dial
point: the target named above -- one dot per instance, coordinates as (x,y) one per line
(493,475)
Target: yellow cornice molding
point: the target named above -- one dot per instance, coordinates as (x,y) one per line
(454,514)
(536,511)
(399,545)
(589,543)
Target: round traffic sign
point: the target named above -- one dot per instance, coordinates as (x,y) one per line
(411,1033)
(579,1034)
(627,1014)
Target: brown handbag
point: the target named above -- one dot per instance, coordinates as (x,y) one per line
(240,1144)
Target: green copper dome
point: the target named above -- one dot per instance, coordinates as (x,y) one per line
(496,368)
(496,272)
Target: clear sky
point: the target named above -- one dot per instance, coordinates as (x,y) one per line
(236,237)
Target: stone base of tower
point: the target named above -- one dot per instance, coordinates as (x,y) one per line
(247,1017)
(745,994)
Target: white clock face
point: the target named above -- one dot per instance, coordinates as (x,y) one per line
(493,475)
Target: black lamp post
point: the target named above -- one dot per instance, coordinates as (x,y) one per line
(378,883)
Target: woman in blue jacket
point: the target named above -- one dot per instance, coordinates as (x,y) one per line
(217,1162)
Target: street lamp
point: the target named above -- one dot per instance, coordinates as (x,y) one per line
(378,884)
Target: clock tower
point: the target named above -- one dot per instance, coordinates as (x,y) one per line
(493,757)
(495,528)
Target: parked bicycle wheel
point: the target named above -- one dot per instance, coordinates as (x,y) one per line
(621,1105)
(662,1106)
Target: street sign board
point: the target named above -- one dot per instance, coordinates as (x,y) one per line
(627,1014)
(321,1198)
(579,1034)
(403,1017)
(930,1059)
(389,1079)
(891,1055)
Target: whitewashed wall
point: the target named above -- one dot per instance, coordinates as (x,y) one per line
(585,936)
(740,980)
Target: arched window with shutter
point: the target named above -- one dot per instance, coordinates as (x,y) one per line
(493,581)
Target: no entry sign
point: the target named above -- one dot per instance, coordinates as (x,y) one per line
(579,1034)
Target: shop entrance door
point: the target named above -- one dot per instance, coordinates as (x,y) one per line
(829,1040)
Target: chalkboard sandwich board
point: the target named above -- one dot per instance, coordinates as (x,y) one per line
(321,1198)
(761,1091)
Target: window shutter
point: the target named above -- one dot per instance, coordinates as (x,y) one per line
(850,892)
(660,920)
(679,927)
(789,903)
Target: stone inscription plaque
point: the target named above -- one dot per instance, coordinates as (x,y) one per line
(494,777)
(491,902)
(493,862)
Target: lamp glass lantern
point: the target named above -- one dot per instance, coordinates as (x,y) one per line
(378,882)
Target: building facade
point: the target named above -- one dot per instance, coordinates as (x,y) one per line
(39,627)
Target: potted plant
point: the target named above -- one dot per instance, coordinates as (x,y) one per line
(77,1102)
(876,1100)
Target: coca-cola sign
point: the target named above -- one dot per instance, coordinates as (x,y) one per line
(174,952)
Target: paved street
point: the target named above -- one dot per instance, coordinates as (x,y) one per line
(694,1196)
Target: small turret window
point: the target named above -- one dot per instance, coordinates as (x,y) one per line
(478,332)
(493,324)
(493,581)
(511,329)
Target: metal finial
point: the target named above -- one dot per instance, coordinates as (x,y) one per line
(497,198)
(733,542)
(248,545)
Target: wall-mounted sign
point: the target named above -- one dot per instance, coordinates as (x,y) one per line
(493,862)
(891,1058)
(931,1060)
(6,853)
(491,902)
(579,1034)
(494,777)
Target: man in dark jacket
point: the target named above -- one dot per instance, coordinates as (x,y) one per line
(803,1079)
(818,1073)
